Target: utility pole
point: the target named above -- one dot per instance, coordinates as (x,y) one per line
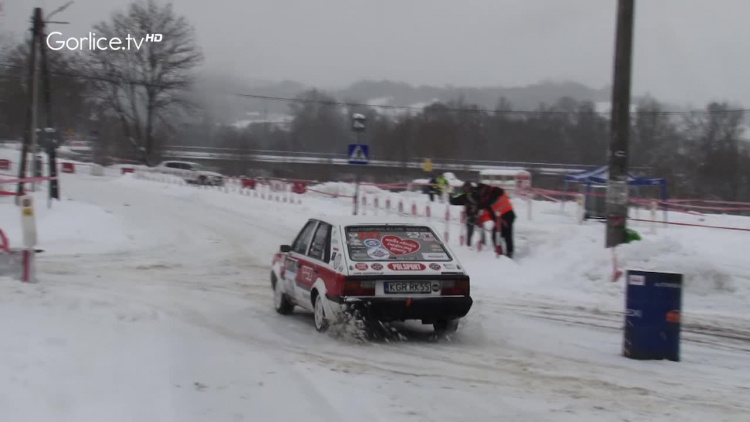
(31,140)
(29,145)
(617,188)
(50,134)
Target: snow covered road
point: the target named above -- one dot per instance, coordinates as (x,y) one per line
(163,311)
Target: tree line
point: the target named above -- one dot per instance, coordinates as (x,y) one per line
(130,101)
(136,102)
(702,153)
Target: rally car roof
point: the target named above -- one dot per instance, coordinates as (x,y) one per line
(364,221)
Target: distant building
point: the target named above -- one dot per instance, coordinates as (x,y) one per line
(273,120)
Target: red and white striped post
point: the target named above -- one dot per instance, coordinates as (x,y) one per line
(462,235)
(400,206)
(5,246)
(387,205)
(427,211)
(377,205)
(364,204)
(498,239)
(414,209)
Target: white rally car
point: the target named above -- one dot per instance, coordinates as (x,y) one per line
(378,271)
(191,172)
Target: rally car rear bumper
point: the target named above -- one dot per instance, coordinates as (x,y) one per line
(429,310)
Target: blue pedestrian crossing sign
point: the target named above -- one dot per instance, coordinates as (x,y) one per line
(358,153)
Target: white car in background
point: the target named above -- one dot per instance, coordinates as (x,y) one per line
(191,172)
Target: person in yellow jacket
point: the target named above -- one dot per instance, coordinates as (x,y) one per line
(442,186)
(495,206)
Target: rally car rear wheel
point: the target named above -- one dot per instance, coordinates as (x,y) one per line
(321,322)
(280,300)
(446,326)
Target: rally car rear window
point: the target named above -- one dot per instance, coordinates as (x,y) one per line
(394,243)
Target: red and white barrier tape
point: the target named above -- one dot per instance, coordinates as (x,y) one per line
(691,225)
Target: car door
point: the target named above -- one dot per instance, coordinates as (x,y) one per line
(315,264)
(299,250)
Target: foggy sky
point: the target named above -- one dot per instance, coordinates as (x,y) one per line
(686,51)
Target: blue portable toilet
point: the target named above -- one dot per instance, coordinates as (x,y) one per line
(653,315)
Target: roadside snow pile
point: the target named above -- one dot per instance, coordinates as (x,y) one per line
(156,176)
(66,228)
(702,277)
(566,260)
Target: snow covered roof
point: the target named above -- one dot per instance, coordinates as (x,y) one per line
(503,172)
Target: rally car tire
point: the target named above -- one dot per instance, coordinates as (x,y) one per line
(321,322)
(449,326)
(281,301)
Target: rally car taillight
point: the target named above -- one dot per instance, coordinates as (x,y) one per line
(358,288)
(455,287)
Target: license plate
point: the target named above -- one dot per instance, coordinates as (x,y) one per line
(407,287)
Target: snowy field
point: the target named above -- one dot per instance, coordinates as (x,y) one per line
(154,304)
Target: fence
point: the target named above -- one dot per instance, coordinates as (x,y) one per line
(386,201)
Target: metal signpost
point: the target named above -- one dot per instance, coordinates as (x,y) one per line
(359,153)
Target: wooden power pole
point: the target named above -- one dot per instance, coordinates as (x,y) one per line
(32,143)
(617,188)
(30,140)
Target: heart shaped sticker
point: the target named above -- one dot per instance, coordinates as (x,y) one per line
(400,246)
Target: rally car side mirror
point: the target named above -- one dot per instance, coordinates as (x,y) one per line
(285,248)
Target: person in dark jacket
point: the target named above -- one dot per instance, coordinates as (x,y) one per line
(432,188)
(495,206)
(469,200)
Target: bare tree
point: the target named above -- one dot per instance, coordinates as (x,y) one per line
(70,108)
(145,87)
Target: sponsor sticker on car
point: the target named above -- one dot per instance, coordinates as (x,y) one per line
(372,243)
(400,246)
(337,261)
(353,239)
(435,267)
(378,253)
(406,266)
(377,267)
(369,235)
(361,266)
(434,256)
(428,237)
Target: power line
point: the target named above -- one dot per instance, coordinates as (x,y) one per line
(91,77)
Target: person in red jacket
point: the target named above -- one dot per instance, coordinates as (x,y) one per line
(495,206)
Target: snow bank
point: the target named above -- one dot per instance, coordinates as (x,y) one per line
(559,259)
(68,227)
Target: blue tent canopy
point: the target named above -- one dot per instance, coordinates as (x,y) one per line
(600,177)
